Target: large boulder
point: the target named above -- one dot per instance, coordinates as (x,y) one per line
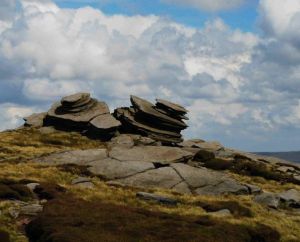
(162,122)
(81,112)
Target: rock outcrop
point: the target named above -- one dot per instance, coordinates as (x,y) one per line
(83,113)
(149,166)
(162,122)
(147,149)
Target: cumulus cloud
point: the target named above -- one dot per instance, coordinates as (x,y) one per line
(12,114)
(208,5)
(241,89)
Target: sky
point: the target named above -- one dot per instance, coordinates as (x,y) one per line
(234,64)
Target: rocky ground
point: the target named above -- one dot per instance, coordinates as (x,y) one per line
(68,185)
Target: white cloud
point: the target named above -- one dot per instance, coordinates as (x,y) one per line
(208,5)
(12,115)
(239,87)
(279,17)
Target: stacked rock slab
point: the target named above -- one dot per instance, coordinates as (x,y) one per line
(82,113)
(162,122)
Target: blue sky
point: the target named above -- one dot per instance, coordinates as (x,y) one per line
(234,64)
(243,17)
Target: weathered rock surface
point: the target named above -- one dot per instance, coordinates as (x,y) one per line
(162,122)
(291,198)
(110,169)
(31,209)
(268,199)
(81,112)
(164,177)
(207,182)
(155,154)
(80,180)
(130,140)
(222,213)
(75,157)
(103,126)
(35,120)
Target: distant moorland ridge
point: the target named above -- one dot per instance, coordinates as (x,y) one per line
(293,156)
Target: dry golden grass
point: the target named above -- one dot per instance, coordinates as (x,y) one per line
(25,144)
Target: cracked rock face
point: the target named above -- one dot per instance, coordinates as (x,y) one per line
(111,169)
(149,167)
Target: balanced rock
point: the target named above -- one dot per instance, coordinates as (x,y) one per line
(162,122)
(81,112)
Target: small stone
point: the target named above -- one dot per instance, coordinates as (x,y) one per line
(297,178)
(114,184)
(156,198)
(31,210)
(291,198)
(35,120)
(268,199)
(222,213)
(80,180)
(285,169)
(253,189)
(88,185)
(47,130)
(14,212)
(32,186)
(124,140)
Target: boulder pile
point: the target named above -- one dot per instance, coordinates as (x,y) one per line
(162,121)
(83,113)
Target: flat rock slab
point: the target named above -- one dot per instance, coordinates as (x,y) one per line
(155,154)
(82,117)
(148,108)
(105,122)
(165,177)
(213,146)
(111,169)
(76,157)
(169,105)
(74,98)
(207,182)
(229,186)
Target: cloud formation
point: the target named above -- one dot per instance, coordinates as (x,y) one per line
(208,5)
(241,88)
